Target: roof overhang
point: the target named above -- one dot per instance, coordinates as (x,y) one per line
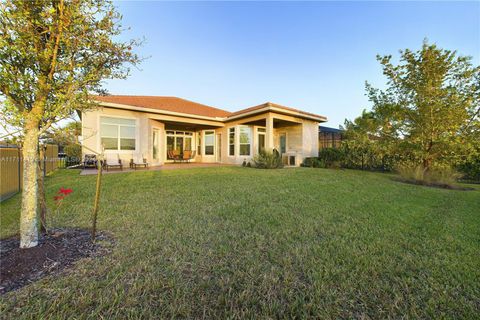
(157,111)
(269,107)
(276,109)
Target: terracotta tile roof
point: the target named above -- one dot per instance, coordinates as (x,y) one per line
(172,104)
(271,104)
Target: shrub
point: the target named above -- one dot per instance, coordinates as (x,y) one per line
(442,177)
(268,160)
(313,162)
(331,157)
(470,170)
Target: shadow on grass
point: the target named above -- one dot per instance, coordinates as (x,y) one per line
(432,184)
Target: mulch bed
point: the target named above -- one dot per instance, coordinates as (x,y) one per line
(56,251)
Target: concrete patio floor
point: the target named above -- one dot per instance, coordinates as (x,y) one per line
(167,166)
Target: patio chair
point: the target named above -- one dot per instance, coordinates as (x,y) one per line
(188,155)
(138,162)
(173,154)
(90,161)
(112,162)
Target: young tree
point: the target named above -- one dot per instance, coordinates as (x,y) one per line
(431,106)
(53,54)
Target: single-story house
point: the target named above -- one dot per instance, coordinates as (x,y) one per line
(151,127)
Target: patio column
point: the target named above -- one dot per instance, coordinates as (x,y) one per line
(269,132)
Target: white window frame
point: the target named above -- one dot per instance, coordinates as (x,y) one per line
(179,133)
(205,145)
(257,141)
(249,143)
(234,142)
(117,151)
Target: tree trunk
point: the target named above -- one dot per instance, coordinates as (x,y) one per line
(42,206)
(427,163)
(28,216)
(427,159)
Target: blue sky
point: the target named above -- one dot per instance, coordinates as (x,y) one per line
(315,56)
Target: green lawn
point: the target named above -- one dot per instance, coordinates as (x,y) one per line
(235,242)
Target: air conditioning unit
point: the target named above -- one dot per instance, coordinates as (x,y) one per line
(292,160)
(289,158)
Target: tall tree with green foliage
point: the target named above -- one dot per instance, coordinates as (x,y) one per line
(430,108)
(53,55)
(64,135)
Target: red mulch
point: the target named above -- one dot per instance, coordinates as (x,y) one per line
(55,252)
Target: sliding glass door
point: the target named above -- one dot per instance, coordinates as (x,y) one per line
(178,141)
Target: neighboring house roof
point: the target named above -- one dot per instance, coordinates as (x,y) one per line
(328,129)
(172,104)
(178,105)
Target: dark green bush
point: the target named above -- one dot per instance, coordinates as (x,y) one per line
(268,160)
(313,162)
(470,170)
(351,158)
(331,157)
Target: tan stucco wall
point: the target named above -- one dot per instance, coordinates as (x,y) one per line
(237,158)
(302,136)
(310,139)
(302,139)
(91,132)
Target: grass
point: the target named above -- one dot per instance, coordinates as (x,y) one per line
(236,242)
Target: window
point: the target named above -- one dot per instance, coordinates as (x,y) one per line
(283,143)
(170,143)
(209,142)
(245,140)
(179,141)
(261,139)
(188,144)
(231,141)
(199,143)
(117,133)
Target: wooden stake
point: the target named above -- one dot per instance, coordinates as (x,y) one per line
(97,198)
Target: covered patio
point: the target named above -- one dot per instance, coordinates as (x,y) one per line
(183,140)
